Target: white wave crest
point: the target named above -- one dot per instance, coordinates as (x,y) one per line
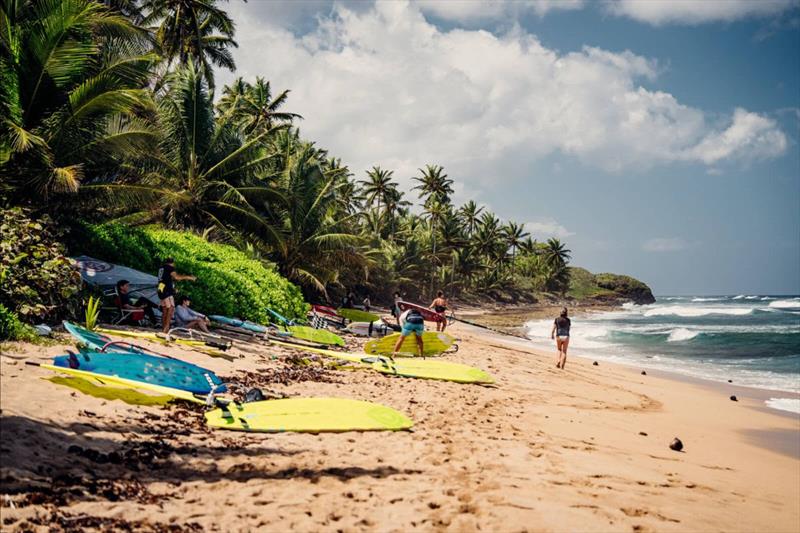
(681,334)
(786,304)
(740,297)
(707,299)
(697,311)
(785,404)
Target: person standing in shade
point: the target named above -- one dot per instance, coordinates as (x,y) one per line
(560,333)
(166,290)
(439,305)
(412,322)
(367,303)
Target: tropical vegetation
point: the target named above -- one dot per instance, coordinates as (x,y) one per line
(111,118)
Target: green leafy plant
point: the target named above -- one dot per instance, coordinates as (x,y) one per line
(228,281)
(92,312)
(39,282)
(11,329)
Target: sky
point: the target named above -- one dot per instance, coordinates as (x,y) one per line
(658,139)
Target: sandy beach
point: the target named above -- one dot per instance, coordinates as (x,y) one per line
(585,449)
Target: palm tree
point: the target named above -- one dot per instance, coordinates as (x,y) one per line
(434,185)
(488,238)
(514,234)
(195,30)
(556,253)
(395,205)
(469,213)
(316,245)
(378,186)
(529,246)
(253,106)
(72,82)
(205,171)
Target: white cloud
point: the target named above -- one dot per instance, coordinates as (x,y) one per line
(658,12)
(665,244)
(547,228)
(382,86)
(470,10)
(749,134)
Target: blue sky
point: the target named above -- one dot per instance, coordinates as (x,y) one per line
(657,139)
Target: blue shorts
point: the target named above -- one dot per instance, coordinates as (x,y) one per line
(418,329)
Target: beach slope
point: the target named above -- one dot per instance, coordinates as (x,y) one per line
(543,450)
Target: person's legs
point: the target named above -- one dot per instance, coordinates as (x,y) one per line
(168,308)
(564,346)
(198,323)
(558,355)
(420,344)
(147,307)
(403,334)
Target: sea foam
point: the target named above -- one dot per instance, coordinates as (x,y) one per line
(681,334)
(786,304)
(785,404)
(686,311)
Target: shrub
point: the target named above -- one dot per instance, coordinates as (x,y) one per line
(37,281)
(11,329)
(228,282)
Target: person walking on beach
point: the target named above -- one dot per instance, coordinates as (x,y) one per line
(439,305)
(560,332)
(166,291)
(412,321)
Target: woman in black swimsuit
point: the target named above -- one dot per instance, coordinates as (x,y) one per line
(439,305)
(560,332)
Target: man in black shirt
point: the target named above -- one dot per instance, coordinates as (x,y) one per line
(166,290)
(143,304)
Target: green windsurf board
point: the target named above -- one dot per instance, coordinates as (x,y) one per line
(407,367)
(433,343)
(308,415)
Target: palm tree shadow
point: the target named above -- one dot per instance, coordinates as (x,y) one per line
(44,462)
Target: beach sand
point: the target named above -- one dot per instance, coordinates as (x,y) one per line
(584,449)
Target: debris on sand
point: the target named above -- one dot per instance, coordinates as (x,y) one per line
(676,444)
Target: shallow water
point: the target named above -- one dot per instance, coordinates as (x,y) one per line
(753,340)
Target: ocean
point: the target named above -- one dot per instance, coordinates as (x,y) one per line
(753,340)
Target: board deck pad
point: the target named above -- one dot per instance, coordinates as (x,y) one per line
(407,367)
(358,315)
(428,314)
(146,368)
(433,343)
(313,415)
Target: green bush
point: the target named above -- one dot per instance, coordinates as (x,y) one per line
(228,282)
(37,280)
(11,329)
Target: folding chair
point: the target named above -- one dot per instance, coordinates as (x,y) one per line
(120,314)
